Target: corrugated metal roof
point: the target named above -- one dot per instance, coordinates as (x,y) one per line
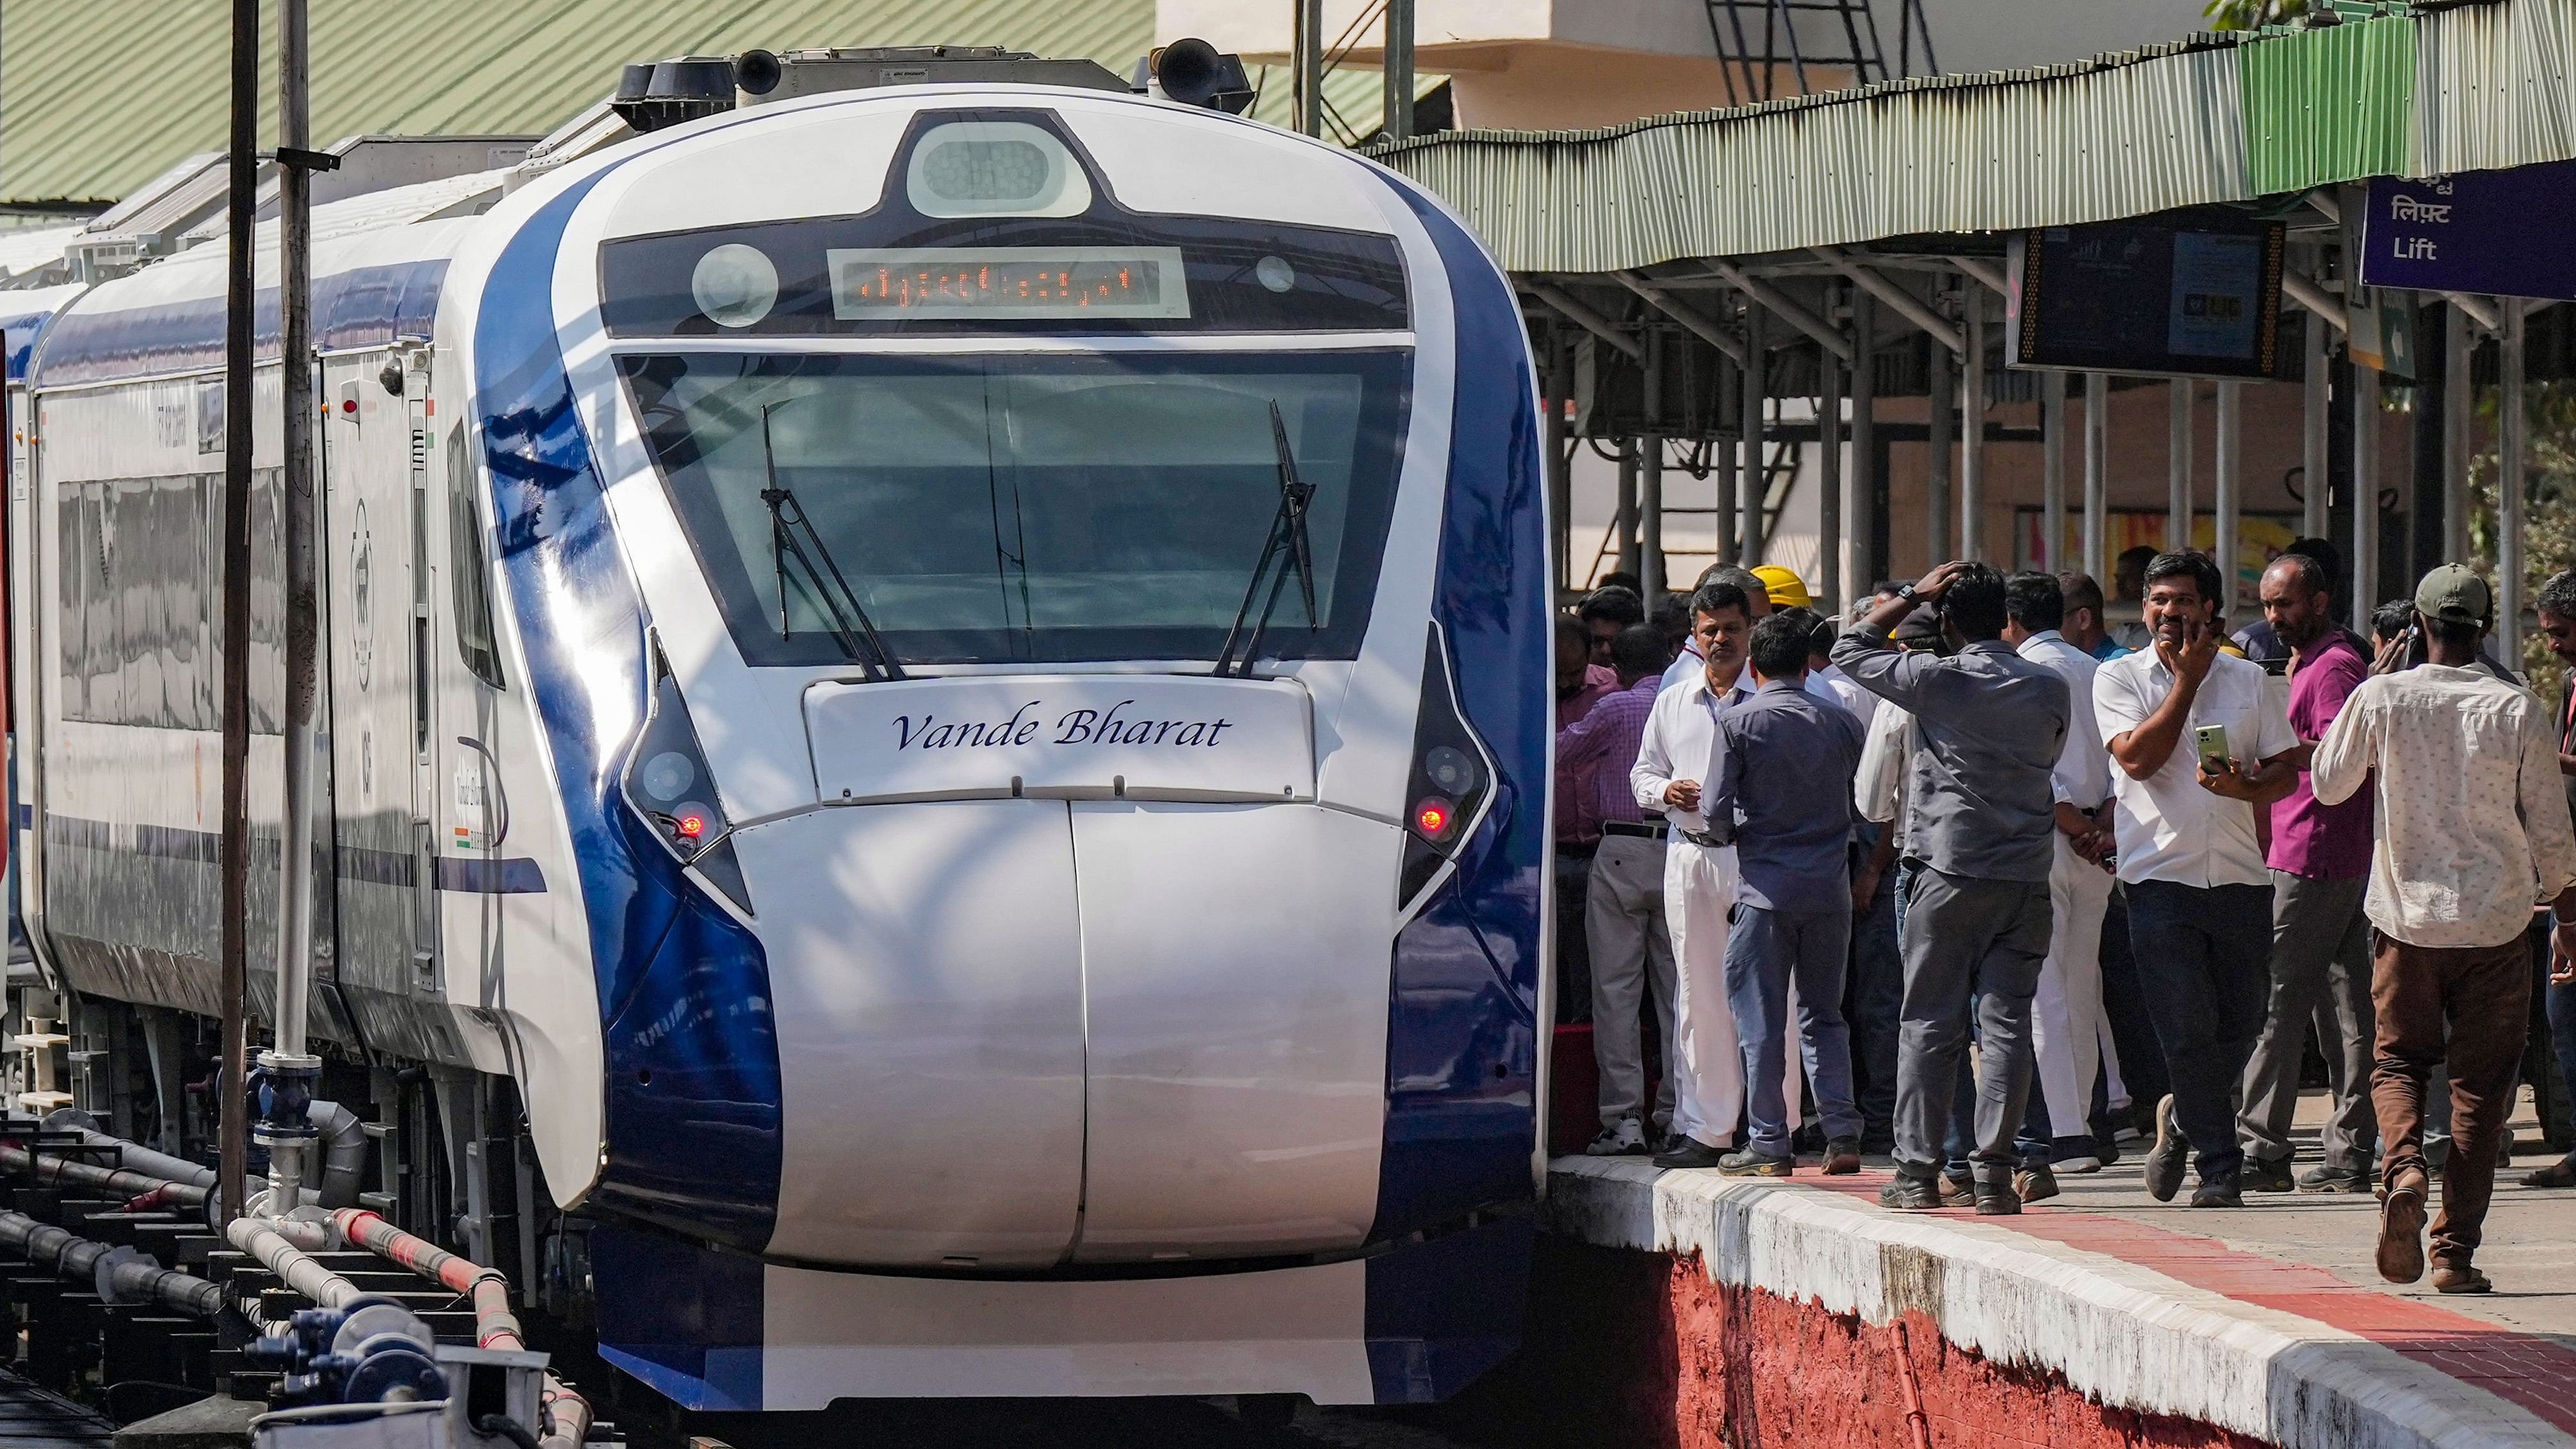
(2479,86)
(97,96)
(2330,104)
(2116,136)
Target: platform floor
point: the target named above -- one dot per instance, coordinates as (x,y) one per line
(2530,1248)
(2303,1255)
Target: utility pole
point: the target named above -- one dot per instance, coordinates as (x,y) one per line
(287,1070)
(1307,66)
(243,164)
(1399,69)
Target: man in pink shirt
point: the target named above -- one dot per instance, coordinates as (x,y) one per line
(1580,684)
(2320,861)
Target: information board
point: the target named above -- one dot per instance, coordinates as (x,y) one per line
(2489,233)
(2131,297)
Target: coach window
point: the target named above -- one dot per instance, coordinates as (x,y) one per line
(465,559)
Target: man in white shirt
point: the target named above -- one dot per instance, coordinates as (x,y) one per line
(2199,892)
(2066,1011)
(2470,831)
(1700,878)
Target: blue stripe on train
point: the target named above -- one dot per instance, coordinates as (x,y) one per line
(362,307)
(693,1114)
(1462,1037)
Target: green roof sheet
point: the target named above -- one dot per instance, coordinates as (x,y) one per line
(99,96)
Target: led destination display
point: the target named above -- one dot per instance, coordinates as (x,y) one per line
(872,283)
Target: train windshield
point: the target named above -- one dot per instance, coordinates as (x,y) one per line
(1028,507)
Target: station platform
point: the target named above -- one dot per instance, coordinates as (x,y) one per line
(1800,1312)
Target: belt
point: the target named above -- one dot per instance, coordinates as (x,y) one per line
(1655,831)
(1704,839)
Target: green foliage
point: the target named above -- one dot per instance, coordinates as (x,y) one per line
(2548,509)
(2252,14)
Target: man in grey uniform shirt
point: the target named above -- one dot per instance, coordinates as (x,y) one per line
(1988,728)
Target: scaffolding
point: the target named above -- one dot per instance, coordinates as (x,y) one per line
(1813,44)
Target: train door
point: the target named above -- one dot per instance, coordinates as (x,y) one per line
(465,699)
(380,708)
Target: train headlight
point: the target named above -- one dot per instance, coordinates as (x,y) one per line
(734,285)
(995,168)
(669,785)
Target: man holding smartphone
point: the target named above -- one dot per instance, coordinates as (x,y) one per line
(2198,745)
(2471,830)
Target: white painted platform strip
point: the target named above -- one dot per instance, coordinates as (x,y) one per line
(2120,1334)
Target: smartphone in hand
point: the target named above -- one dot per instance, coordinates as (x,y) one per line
(2211,743)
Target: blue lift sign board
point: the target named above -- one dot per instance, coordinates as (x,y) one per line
(2496,233)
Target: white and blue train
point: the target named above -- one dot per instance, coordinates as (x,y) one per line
(936,704)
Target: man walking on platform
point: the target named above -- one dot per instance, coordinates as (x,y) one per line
(2555,607)
(2066,1013)
(1679,748)
(2471,829)
(1988,728)
(1785,760)
(2199,746)
(2320,859)
(1623,914)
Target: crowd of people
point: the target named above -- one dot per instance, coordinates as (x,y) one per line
(1974,882)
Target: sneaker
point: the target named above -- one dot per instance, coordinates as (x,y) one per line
(2334,1179)
(2218,1192)
(1955,1190)
(2079,1166)
(2164,1160)
(2031,1184)
(2401,1229)
(1623,1138)
(1750,1163)
(1690,1153)
(1842,1156)
(1997,1200)
(1910,1194)
(2262,1176)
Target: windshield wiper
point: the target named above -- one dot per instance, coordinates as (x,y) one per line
(1288,545)
(823,583)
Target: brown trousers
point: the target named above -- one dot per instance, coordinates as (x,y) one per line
(2482,997)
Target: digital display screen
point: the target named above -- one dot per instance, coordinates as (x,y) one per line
(1002,282)
(2137,297)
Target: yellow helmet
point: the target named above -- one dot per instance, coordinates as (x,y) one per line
(1787,590)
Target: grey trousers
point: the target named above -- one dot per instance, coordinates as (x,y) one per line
(1967,936)
(1632,965)
(2320,973)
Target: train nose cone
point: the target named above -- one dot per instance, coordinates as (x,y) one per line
(1017,1033)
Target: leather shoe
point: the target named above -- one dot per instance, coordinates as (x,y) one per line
(2031,1184)
(1750,1163)
(1842,1156)
(2262,1176)
(1690,1152)
(1997,1200)
(2217,1193)
(2164,1160)
(1910,1194)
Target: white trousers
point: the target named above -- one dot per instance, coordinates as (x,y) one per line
(1706,1060)
(2067,1025)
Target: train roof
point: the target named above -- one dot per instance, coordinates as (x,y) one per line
(378,261)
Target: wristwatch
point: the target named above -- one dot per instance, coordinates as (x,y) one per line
(1905,592)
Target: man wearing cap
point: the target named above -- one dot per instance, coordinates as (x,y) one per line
(2470,829)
